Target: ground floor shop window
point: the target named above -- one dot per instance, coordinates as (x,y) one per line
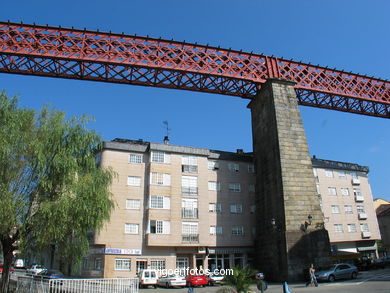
(239,260)
(218,261)
(157,264)
(182,263)
(122,264)
(98,264)
(141,264)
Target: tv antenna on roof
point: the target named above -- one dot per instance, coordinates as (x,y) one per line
(167,129)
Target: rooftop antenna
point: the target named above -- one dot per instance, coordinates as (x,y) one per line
(167,129)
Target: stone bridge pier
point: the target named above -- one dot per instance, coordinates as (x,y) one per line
(290,230)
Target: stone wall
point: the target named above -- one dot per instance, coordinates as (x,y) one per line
(285,187)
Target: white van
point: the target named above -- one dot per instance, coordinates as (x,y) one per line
(147,277)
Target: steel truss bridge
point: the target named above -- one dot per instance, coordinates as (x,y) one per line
(118,58)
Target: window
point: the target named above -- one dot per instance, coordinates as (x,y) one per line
(215,208)
(236,208)
(189,164)
(234,167)
(348,209)
(342,175)
(134,181)
(329,173)
(345,191)
(354,175)
(160,157)
(122,264)
(159,202)
(237,230)
(160,179)
(213,165)
(131,228)
(251,168)
(351,228)
(189,185)
(253,209)
(332,191)
(159,227)
(189,208)
(215,230)
(338,228)
(360,209)
(251,188)
(182,263)
(85,263)
(234,187)
(214,186)
(157,264)
(335,209)
(133,204)
(135,158)
(357,192)
(364,227)
(189,228)
(98,264)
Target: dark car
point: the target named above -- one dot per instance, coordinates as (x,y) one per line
(49,275)
(336,272)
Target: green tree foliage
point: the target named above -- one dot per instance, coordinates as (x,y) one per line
(240,280)
(52,191)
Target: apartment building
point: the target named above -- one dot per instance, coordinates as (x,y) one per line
(179,207)
(175,207)
(347,204)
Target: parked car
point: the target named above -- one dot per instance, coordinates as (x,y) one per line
(172,281)
(19,263)
(49,275)
(214,279)
(196,280)
(35,269)
(1,269)
(337,271)
(147,277)
(378,263)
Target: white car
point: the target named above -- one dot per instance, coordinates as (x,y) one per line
(147,277)
(214,279)
(172,281)
(35,269)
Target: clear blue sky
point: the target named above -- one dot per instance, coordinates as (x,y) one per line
(351,34)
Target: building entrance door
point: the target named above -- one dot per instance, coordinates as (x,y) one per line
(199,262)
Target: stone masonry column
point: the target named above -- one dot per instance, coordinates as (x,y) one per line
(287,241)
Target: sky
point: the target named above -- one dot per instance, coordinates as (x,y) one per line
(353,35)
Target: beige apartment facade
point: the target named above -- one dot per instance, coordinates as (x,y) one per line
(184,207)
(175,207)
(347,204)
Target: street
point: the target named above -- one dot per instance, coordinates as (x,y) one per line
(376,281)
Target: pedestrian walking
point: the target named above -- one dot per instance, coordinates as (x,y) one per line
(312,277)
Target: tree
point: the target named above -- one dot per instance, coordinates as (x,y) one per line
(240,280)
(52,191)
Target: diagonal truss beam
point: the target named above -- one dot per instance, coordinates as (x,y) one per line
(88,55)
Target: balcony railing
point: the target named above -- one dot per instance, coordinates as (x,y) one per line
(366,234)
(189,190)
(189,213)
(355,181)
(190,238)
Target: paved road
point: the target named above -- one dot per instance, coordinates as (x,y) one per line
(377,281)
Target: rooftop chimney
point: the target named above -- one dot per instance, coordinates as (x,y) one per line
(166,140)
(240,151)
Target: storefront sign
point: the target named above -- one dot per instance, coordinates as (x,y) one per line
(122,251)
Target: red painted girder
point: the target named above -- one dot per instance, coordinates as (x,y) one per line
(72,53)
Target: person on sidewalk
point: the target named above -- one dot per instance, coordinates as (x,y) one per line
(312,279)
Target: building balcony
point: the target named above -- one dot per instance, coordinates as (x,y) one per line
(362,216)
(355,181)
(189,190)
(190,238)
(359,198)
(366,234)
(189,213)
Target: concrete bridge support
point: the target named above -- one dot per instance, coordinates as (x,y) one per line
(290,233)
